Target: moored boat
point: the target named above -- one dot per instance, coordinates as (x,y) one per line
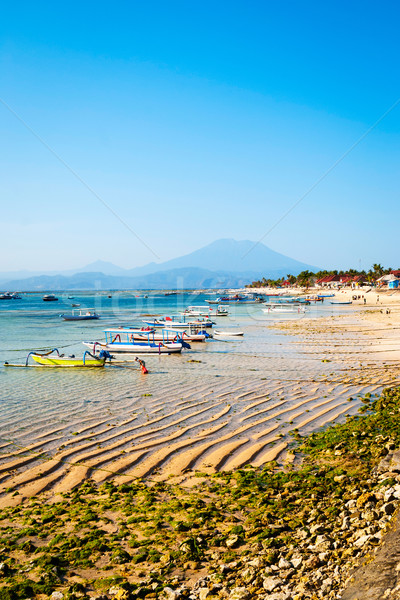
(236,299)
(81,315)
(179,322)
(122,340)
(49,298)
(228,333)
(281,308)
(205,311)
(53,358)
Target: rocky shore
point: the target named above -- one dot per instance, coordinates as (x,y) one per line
(276,534)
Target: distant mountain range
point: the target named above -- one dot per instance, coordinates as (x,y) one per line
(223,263)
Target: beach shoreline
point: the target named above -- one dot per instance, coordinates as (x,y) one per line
(220,424)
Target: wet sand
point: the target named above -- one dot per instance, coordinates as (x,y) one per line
(209,422)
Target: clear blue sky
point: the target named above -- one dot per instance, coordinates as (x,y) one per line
(196,121)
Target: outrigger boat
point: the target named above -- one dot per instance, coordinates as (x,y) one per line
(81,315)
(123,340)
(178,322)
(236,299)
(53,358)
(205,311)
(338,302)
(191,334)
(281,308)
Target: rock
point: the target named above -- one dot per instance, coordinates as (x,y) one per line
(248,575)
(297,562)
(233,541)
(3,569)
(57,596)
(388,508)
(203,593)
(359,543)
(270,583)
(388,495)
(256,562)
(284,564)
(239,593)
(170,594)
(364,498)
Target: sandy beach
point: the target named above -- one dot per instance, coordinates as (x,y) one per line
(218,424)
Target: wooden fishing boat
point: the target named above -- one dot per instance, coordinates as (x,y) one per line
(122,340)
(179,322)
(338,302)
(53,358)
(191,334)
(205,311)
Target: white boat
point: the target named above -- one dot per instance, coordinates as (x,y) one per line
(169,335)
(181,322)
(281,308)
(205,311)
(236,299)
(338,302)
(49,298)
(228,333)
(122,340)
(84,314)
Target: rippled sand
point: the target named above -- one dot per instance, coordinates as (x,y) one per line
(235,407)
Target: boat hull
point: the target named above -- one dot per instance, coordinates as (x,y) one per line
(81,318)
(137,348)
(66,361)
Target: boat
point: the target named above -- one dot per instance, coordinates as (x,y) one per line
(339,302)
(53,358)
(122,340)
(228,333)
(75,305)
(83,314)
(205,311)
(282,308)
(236,299)
(177,322)
(49,298)
(169,335)
(6,296)
(71,298)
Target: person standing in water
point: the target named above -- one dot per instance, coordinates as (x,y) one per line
(142,365)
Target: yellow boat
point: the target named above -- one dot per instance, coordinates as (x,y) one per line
(55,359)
(68,361)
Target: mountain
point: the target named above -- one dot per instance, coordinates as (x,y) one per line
(99,266)
(223,263)
(231,256)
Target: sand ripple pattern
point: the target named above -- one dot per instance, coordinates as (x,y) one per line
(236,406)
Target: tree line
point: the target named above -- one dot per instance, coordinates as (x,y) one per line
(307,278)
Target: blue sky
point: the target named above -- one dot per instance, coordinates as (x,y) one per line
(197,121)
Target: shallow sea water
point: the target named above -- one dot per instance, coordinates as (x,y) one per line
(240,391)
